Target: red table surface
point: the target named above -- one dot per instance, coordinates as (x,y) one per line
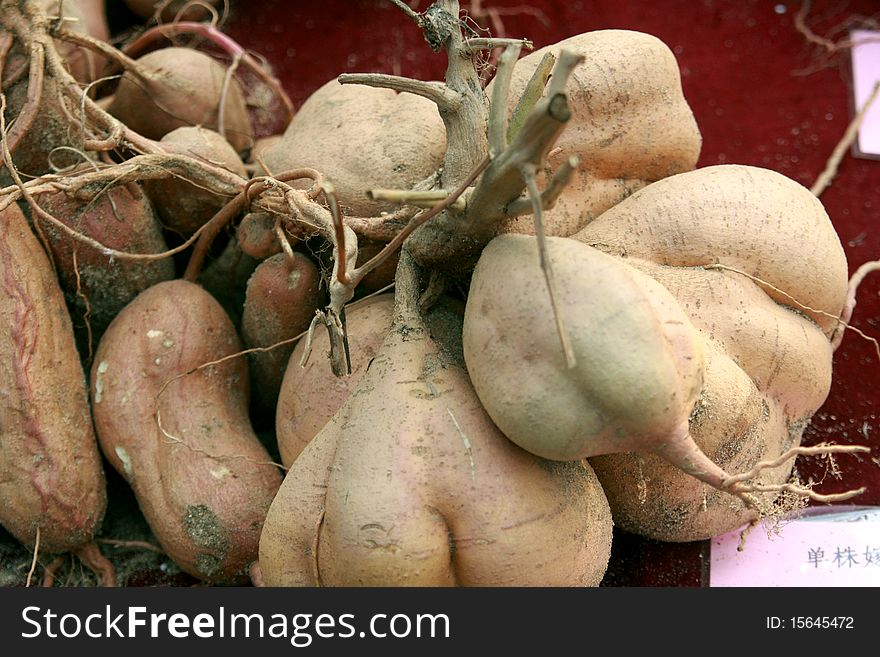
(762,95)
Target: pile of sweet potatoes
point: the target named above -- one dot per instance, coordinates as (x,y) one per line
(413,333)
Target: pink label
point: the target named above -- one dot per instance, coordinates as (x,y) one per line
(808,552)
(866,73)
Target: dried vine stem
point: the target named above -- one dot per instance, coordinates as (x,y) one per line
(453,240)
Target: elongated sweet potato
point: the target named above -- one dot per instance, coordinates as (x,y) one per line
(51,475)
(280,303)
(203,480)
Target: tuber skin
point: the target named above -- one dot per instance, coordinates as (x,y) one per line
(282,296)
(175,87)
(630,124)
(362,138)
(181,436)
(51,476)
(256,235)
(96,285)
(183,207)
(639,360)
(310,394)
(411,484)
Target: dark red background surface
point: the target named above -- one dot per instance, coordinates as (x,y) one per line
(762,95)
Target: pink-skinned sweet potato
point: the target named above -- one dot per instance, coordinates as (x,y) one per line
(280,303)
(185,445)
(96,285)
(51,476)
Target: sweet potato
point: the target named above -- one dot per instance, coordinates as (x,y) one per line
(770,358)
(280,303)
(411,484)
(256,235)
(362,138)
(97,286)
(182,206)
(311,395)
(701,343)
(51,477)
(630,123)
(175,87)
(202,478)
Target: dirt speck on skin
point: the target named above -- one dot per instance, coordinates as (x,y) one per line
(205,530)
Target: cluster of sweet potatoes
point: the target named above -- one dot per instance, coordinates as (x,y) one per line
(415,333)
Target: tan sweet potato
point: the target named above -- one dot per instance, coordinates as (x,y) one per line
(311,395)
(700,339)
(769,358)
(630,123)
(51,475)
(175,87)
(362,138)
(412,485)
(203,480)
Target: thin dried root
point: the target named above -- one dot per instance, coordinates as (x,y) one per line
(852,131)
(797,490)
(92,558)
(34,561)
(134,545)
(792,453)
(842,320)
(50,571)
(860,274)
(739,484)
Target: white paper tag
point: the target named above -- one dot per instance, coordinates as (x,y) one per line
(866,73)
(827,550)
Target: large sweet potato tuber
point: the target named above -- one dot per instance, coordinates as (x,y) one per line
(411,484)
(202,478)
(51,476)
(630,123)
(701,341)
(362,138)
